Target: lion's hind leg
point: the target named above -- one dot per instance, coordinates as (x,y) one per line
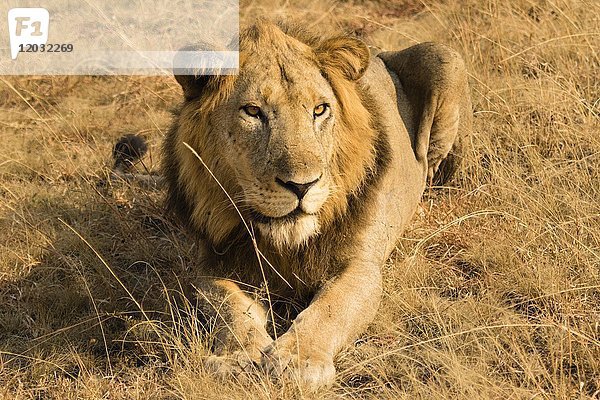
(434,80)
(236,324)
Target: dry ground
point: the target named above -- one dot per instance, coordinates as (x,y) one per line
(493,293)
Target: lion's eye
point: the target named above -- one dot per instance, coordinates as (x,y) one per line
(253,111)
(320,109)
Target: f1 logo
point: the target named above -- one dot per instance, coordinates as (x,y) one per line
(27,26)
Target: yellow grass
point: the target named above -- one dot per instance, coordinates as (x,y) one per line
(493,293)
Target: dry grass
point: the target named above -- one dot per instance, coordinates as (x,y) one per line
(494,292)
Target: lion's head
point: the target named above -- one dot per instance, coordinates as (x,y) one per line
(288,138)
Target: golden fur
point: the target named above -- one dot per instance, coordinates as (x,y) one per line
(211,212)
(324,151)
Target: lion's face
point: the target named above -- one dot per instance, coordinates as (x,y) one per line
(277,130)
(280,145)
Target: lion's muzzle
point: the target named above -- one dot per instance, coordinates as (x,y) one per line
(299,189)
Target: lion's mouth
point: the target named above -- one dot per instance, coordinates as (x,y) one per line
(292,229)
(259,217)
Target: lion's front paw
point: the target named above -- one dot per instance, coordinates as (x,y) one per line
(312,369)
(236,364)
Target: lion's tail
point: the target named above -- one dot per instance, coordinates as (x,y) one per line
(127,152)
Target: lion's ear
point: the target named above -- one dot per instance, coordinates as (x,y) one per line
(192,80)
(192,86)
(201,66)
(345,54)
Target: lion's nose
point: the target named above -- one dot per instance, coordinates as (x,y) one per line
(299,189)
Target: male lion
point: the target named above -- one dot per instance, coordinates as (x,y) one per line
(325,151)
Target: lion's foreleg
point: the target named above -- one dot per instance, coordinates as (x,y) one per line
(236,322)
(337,315)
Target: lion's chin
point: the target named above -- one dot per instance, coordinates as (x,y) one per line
(290,233)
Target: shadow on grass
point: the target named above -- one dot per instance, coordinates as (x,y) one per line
(113,286)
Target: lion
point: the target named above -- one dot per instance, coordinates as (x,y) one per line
(299,175)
